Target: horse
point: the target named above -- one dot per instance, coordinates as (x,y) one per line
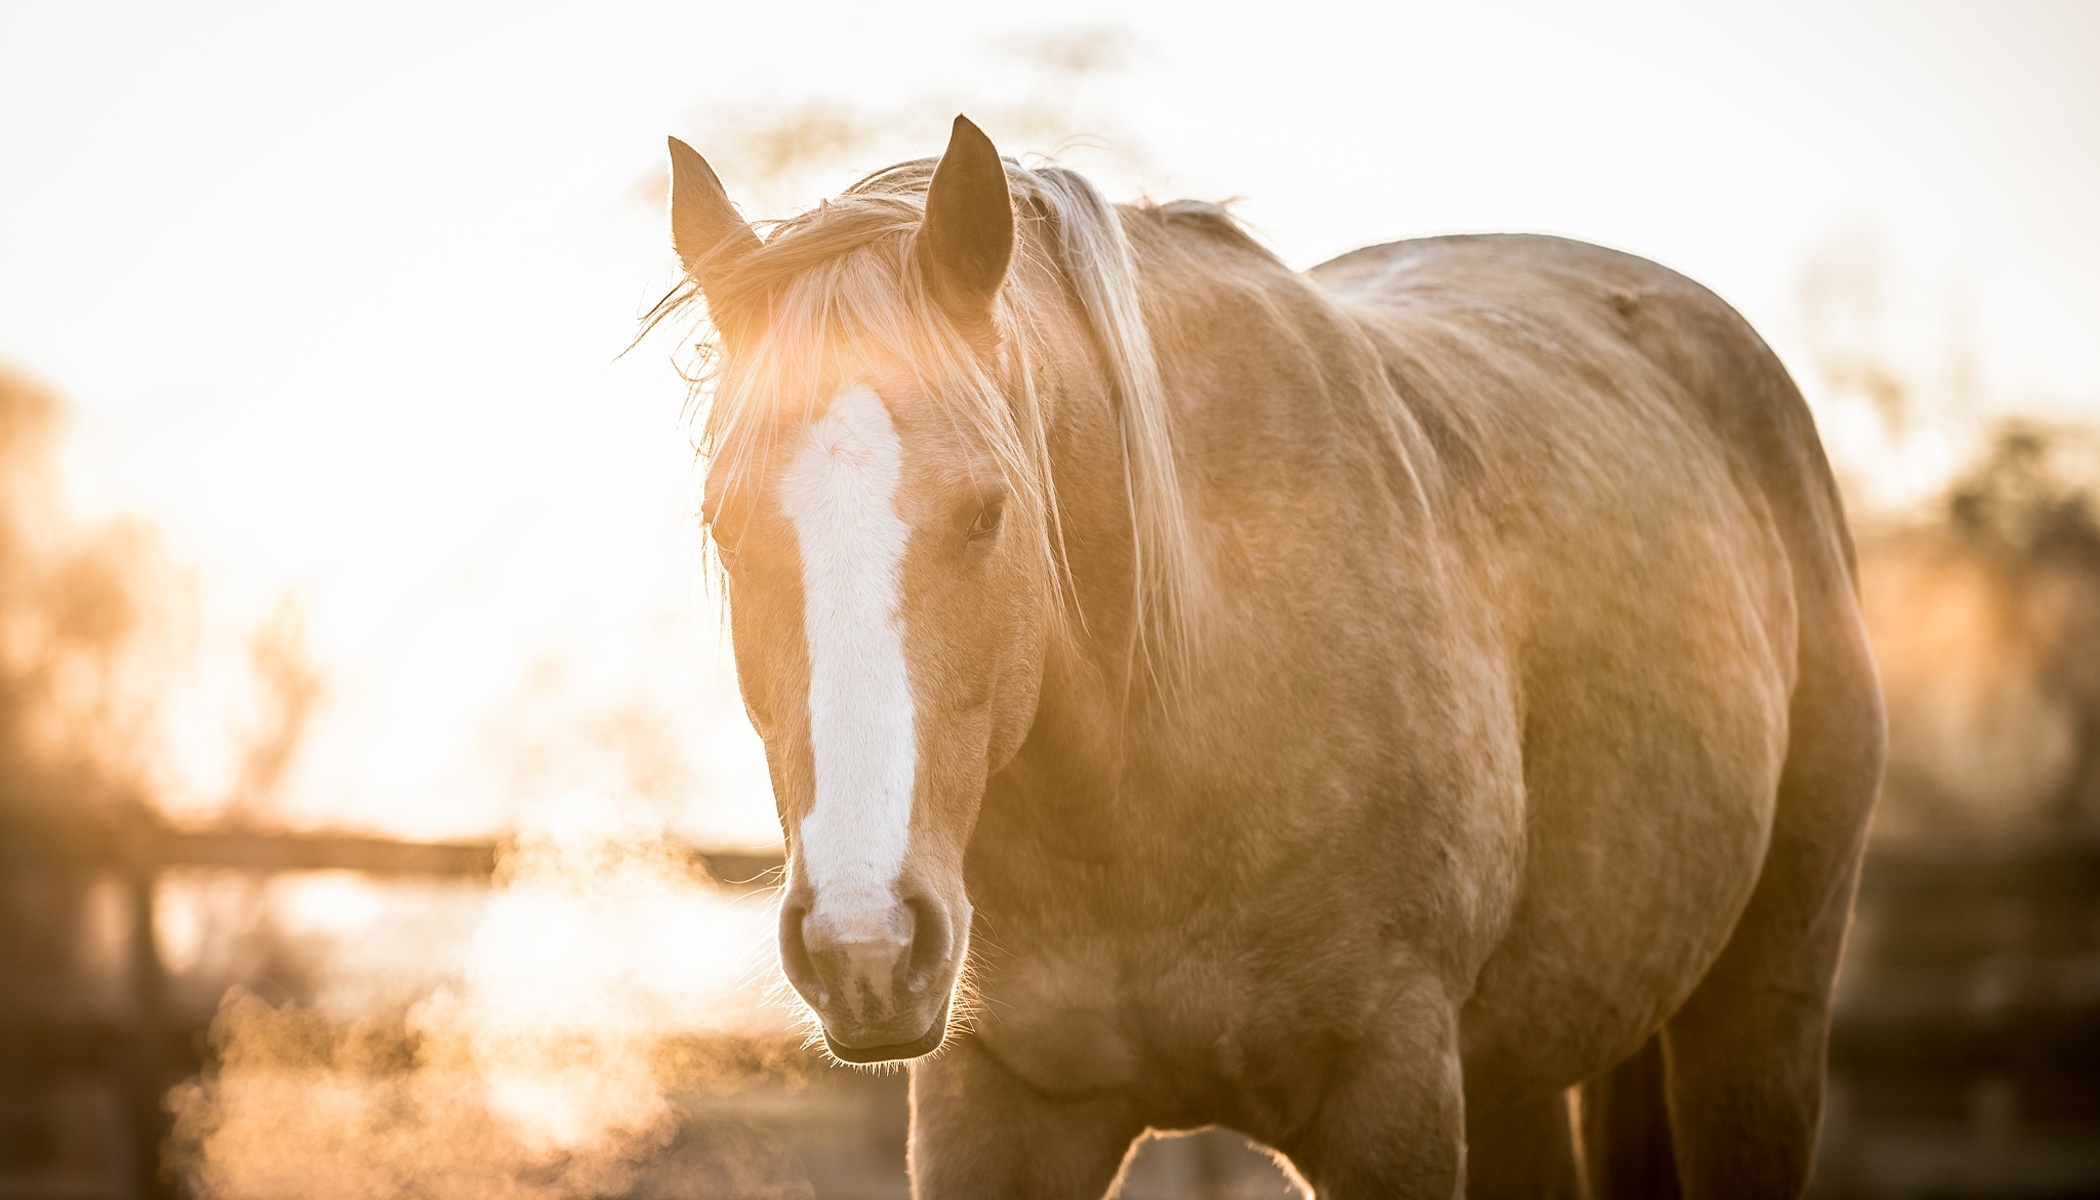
(1413,712)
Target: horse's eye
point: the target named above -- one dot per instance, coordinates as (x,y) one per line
(987,521)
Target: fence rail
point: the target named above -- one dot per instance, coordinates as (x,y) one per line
(271,850)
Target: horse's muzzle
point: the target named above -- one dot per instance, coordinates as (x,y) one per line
(881,985)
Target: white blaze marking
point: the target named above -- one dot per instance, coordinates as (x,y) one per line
(838,492)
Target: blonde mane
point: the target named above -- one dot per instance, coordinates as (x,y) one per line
(842,280)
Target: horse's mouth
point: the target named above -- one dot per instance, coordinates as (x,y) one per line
(925,1044)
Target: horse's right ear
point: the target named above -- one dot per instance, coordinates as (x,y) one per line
(705,227)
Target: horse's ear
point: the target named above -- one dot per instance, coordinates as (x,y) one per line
(967,239)
(705,227)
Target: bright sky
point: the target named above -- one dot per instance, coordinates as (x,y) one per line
(337,293)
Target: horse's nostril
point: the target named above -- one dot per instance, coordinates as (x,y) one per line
(929,943)
(795,958)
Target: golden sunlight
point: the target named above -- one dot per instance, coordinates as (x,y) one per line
(379,812)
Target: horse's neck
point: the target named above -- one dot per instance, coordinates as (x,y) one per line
(1105,719)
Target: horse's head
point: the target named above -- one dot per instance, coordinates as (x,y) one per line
(876,495)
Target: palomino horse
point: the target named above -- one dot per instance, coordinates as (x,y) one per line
(1351,707)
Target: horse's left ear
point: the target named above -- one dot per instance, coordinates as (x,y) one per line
(967,239)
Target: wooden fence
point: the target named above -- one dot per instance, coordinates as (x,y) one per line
(1965,1061)
(1966,1057)
(93,1069)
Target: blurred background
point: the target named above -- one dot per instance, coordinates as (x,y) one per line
(377,816)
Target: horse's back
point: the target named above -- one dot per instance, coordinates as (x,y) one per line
(1565,384)
(1519,288)
(1654,508)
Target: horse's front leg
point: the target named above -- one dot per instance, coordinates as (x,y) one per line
(977,1131)
(1392,1124)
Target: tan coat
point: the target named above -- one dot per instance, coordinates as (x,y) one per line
(1508,709)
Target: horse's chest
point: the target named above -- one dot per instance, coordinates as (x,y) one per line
(1201,1031)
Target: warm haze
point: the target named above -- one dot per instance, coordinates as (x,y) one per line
(338,295)
(329,314)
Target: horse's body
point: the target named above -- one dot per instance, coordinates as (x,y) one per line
(1523,715)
